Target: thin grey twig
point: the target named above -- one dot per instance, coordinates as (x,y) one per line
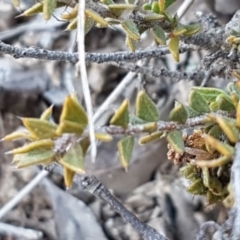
(208,60)
(214,38)
(33,52)
(28,188)
(206,78)
(92,184)
(175,75)
(161,125)
(235,178)
(19,232)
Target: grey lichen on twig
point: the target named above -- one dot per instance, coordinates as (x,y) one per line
(163,72)
(39,53)
(213,38)
(162,125)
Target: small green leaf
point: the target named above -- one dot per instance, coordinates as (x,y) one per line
(40,129)
(164,4)
(179,113)
(72,25)
(108,2)
(150,127)
(134,120)
(40,156)
(190,172)
(235,99)
(104,137)
(213,163)
(225,103)
(125,148)
(169,18)
(147,6)
(44,143)
(198,102)
(66,126)
(192,29)
(71,15)
(155,7)
(211,182)
(118,9)
(146,108)
(223,148)
(229,129)
(233,87)
(154,17)
(68,176)
(18,135)
(113,21)
(47,113)
(73,111)
(73,159)
(85,143)
(131,29)
(150,138)
(36,8)
(174,21)
(131,43)
(89,23)
(197,187)
(96,17)
(175,139)
(159,35)
(179,30)
(212,198)
(214,106)
(48,8)
(121,117)
(209,94)
(215,131)
(191,112)
(173,46)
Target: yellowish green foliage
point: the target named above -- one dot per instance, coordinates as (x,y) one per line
(116,13)
(121,117)
(125,148)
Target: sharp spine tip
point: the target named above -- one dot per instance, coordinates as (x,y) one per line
(20,15)
(20,118)
(9,152)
